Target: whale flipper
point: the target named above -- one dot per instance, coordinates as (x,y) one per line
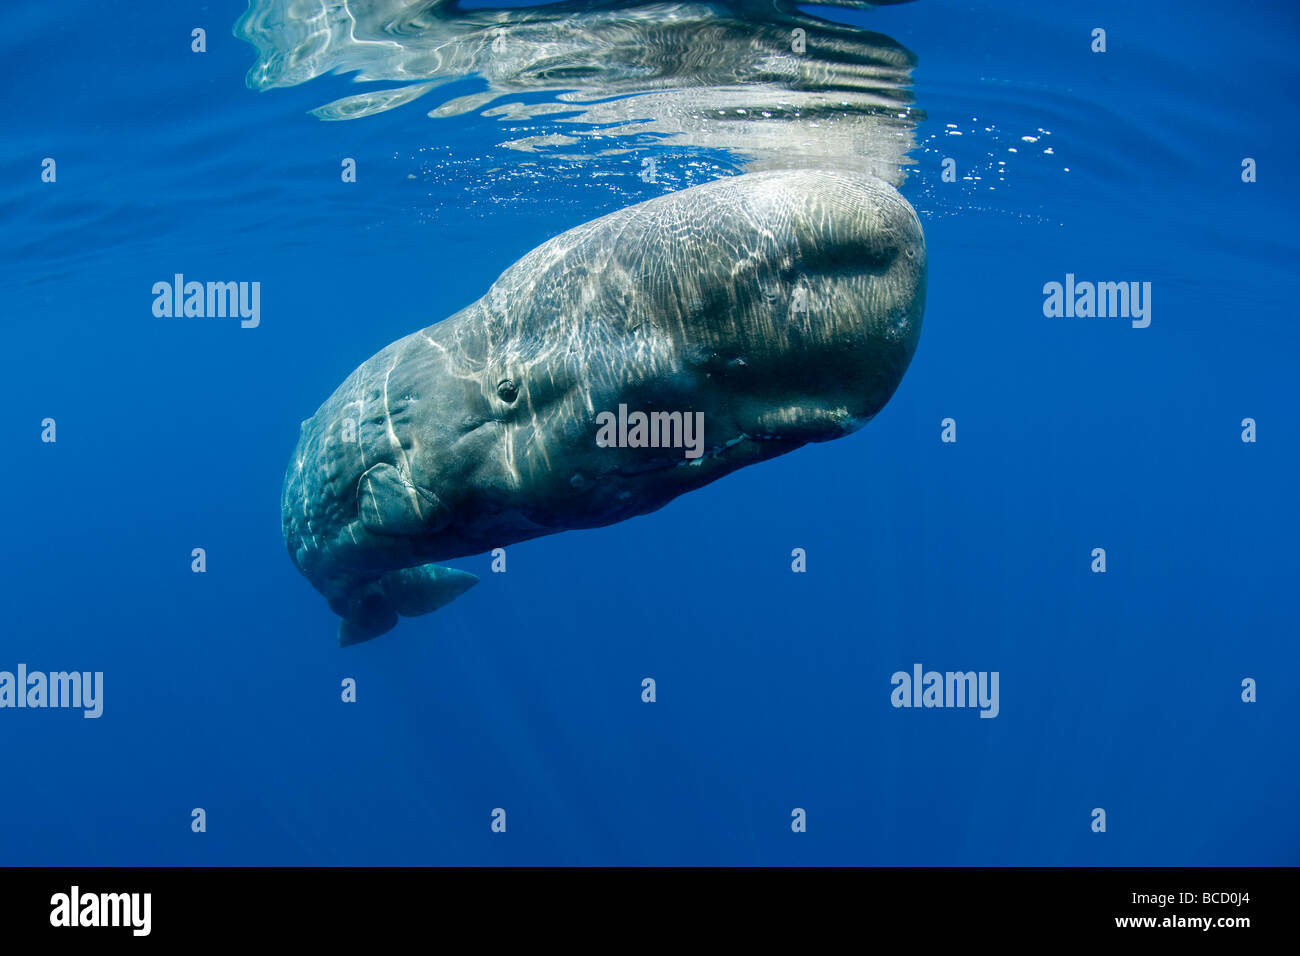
(416,591)
(409,592)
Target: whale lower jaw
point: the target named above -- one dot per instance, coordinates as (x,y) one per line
(677,460)
(843,424)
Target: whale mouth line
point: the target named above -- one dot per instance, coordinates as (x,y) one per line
(664,463)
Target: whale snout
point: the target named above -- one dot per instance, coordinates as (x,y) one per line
(815,284)
(864,240)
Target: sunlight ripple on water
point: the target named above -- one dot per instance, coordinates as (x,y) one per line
(770,85)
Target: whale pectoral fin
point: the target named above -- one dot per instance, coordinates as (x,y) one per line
(409,592)
(368,617)
(416,591)
(388,502)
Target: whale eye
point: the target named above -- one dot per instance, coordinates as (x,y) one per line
(508,390)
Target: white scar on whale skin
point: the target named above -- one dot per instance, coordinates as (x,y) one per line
(685,303)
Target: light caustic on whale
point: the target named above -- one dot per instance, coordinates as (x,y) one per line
(783,307)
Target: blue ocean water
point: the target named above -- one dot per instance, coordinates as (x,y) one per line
(1119,690)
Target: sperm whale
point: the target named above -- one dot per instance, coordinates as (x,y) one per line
(759,312)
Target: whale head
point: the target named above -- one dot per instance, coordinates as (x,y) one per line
(771,310)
